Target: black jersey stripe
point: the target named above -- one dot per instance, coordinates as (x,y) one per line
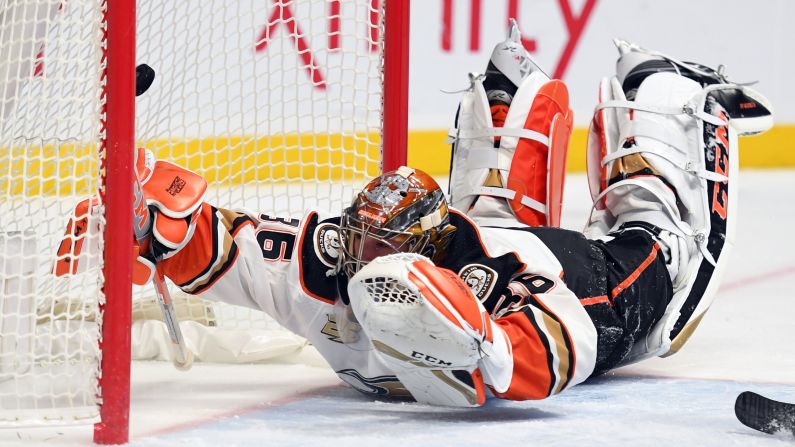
(565,336)
(230,260)
(543,336)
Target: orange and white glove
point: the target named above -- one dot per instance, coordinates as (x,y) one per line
(173,197)
(431,330)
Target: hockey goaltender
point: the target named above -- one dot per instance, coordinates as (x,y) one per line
(411,291)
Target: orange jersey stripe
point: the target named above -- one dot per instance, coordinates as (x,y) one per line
(199,254)
(595,300)
(532,377)
(634,275)
(564,342)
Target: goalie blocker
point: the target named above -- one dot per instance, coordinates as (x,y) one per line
(173,196)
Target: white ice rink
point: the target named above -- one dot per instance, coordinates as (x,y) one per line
(746,342)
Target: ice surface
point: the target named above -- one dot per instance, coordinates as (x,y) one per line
(746,341)
(612,411)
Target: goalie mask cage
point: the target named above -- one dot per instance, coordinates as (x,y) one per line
(280,104)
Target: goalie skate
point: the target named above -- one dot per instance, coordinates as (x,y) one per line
(429,328)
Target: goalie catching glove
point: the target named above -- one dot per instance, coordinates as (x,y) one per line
(172,196)
(431,330)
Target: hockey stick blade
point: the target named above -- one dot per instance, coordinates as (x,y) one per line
(763,414)
(144,77)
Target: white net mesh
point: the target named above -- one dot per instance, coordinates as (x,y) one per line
(277,103)
(50,136)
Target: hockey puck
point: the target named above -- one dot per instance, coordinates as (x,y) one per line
(144,77)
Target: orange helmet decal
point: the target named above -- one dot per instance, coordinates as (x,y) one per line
(399,211)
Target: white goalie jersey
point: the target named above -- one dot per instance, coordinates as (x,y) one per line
(288,268)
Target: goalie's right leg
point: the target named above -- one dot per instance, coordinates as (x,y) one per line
(663,151)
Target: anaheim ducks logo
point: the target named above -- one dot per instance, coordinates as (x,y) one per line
(379,385)
(327,243)
(479,278)
(330,329)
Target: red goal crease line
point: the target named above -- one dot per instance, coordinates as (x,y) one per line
(756,279)
(262,406)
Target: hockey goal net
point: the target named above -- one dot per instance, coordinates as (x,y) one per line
(280,104)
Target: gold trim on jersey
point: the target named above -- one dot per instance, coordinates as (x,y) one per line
(224,223)
(555,331)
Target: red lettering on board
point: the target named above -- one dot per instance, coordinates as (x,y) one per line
(283,15)
(334,25)
(374,25)
(447,25)
(575,25)
(474,26)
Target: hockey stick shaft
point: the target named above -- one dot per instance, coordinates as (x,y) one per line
(183,358)
(142,224)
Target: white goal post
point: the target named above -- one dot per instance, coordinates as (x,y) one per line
(281,104)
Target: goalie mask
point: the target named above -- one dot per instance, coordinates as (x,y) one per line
(402,211)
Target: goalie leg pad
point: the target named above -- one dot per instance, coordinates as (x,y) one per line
(430,329)
(669,158)
(522,161)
